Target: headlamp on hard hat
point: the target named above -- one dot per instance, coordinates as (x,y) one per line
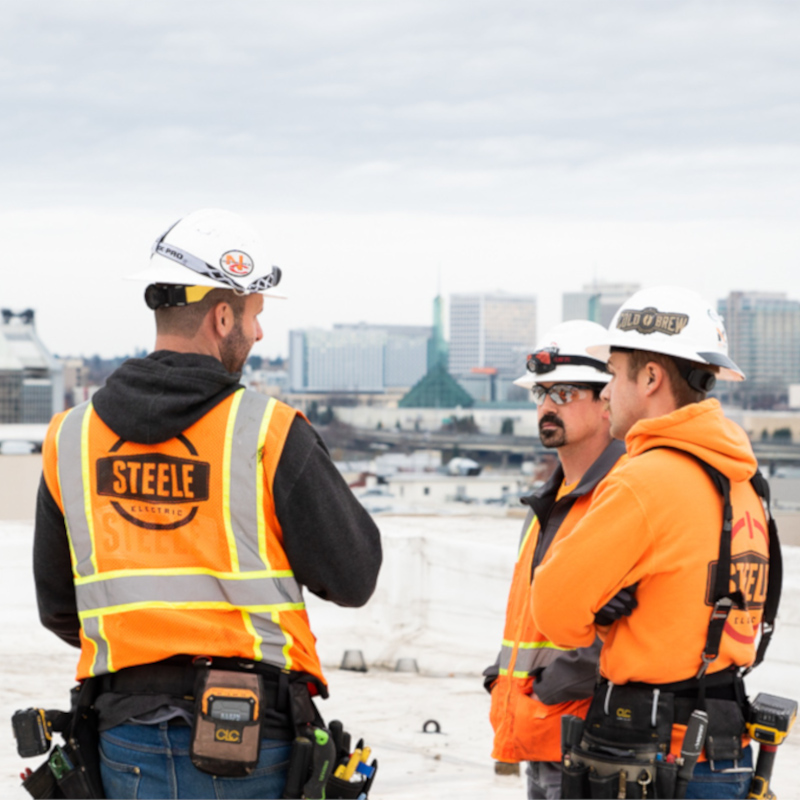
(548,358)
(167,295)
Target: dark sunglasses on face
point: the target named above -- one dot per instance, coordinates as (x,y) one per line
(560,393)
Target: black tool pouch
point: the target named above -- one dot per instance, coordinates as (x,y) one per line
(226,736)
(625,730)
(726,726)
(348,790)
(631,717)
(574,780)
(666,779)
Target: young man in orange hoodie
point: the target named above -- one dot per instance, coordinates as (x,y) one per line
(533,683)
(656,524)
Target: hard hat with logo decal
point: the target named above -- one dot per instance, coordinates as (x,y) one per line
(674,321)
(209,248)
(561,356)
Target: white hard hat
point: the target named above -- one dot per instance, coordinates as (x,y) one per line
(214,248)
(674,321)
(561,355)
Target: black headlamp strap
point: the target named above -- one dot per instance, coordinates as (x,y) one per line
(543,361)
(162,295)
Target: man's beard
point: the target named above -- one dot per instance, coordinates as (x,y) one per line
(234,349)
(552,438)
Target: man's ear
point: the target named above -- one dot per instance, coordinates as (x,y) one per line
(653,377)
(223,319)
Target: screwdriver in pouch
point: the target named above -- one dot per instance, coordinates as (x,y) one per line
(322,761)
(693,741)
(299,763)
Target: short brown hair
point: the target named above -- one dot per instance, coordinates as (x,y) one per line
(676,368)
(186,320)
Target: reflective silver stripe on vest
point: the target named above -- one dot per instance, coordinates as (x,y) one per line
(505,656)
(102,660)
(540,654)
(243,493)
(70,476)
(194,588)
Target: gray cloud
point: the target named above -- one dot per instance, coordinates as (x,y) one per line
(617,108)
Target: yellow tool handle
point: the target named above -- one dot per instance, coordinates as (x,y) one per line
(351,765)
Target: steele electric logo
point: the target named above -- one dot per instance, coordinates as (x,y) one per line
(651,320)
(155,483)
(750,575)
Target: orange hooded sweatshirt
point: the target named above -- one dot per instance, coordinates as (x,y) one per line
(656,521)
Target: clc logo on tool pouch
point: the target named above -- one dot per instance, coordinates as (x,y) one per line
(623,713)
(227,735)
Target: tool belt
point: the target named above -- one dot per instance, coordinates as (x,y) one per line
(624,749)
(72,770)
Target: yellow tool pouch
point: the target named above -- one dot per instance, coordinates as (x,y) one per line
(226,737)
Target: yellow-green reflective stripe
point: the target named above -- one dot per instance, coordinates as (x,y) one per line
(530,656)
(92,631)
(73,480)
(169,571)
(540,645)
(73,559)
(526,537)
(87,482)
(226,481)
(257,639)
(262,435)
(287,657)
(200,605)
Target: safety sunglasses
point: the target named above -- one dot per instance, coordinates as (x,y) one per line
(560,393)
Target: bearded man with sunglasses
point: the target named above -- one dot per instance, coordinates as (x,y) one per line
(533,682)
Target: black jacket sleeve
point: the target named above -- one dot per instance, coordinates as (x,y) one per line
(52,570)
(572,676)
(332,543)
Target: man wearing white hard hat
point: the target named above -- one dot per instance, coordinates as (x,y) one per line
(179,518)
(683,521)
(533,683)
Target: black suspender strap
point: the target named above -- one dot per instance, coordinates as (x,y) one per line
(724,598)
(775,575)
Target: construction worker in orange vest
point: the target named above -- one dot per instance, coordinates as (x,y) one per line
(179,516)
(683,522)
(534,682)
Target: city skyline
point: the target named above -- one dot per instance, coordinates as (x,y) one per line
(387,151)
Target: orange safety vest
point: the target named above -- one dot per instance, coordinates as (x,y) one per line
(526,729)
(175,547)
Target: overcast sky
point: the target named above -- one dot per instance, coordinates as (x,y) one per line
(386,148)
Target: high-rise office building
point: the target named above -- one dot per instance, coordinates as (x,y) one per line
(357,358)
(31,383)
(763,330)
(597,301)
(487,330)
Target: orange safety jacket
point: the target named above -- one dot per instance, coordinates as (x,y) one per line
(175,547)
(656,522)
(525,727)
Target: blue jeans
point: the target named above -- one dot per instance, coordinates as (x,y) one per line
(708,784)
(152,761)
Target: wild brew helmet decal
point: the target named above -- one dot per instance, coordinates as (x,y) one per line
(651,320)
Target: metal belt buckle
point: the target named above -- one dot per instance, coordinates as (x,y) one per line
(730,770)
